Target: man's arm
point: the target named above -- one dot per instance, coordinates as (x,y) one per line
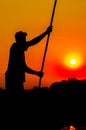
(31,71)
(39,38)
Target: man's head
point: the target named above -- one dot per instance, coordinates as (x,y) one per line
(20,36)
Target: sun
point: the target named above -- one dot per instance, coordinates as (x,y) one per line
(73,60)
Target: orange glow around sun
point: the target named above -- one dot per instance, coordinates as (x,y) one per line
(73,60)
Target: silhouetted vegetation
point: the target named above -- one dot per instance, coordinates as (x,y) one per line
(71,88)
(61,104)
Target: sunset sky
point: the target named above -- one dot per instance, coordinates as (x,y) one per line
(66,55)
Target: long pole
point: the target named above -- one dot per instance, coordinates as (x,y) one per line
(51,22)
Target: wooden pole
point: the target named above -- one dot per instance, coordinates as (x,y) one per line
(51,22)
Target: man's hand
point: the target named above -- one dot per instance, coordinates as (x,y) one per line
(40,73)
(49,29)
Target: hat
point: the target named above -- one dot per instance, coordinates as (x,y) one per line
(20,34)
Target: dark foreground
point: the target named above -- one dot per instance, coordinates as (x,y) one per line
(63,104)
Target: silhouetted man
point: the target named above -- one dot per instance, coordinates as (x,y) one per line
(15,74)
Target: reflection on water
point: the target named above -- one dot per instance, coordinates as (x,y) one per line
(72,127)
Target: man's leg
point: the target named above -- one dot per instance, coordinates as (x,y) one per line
(19,86)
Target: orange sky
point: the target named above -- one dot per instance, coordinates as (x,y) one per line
(68,36)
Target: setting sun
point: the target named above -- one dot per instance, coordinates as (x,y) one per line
(73,60)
